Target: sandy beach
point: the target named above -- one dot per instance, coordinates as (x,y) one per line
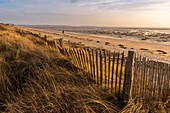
(151,49)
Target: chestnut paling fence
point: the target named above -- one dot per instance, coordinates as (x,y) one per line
(126,76)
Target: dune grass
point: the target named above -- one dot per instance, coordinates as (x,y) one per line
(35,78)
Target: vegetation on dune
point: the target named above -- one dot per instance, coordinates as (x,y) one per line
(36,78)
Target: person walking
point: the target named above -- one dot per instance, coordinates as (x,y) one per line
(63,32)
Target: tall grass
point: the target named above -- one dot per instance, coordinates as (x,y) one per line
(36,78)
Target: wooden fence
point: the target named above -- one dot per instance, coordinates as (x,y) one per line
(151,79)
(126,76)
(104,68)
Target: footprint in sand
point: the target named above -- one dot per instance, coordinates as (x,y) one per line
(122,46)
(107,43)
(146,50)
(161,52)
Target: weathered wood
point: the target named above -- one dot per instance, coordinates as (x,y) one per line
(138,78)
(159,81)
(109,70)
(71,55)
(144,77)
(117,68)
(78,57)
(105,68)
(82,59)
(120,80)
(134,85)
(156,81)
(128,76)
(97,67)
(168,82)
(112,78)
(152,79)
(101,68)
(162,80)
(148,79)
(87,63)
(90,64)
(75,55)
(94,73)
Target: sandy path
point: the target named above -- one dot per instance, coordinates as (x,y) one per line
(157,50)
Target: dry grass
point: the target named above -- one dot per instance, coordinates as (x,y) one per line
(36,78)
(150,106)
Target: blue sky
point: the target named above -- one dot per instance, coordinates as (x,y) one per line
(129,13)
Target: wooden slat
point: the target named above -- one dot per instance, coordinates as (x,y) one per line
(164,82)
(91,64)
(120,80)
(101,68)
(154,79)
(109,79)
(78,57)
(144,77)
(148,79)
(87,63)
(105,68)
(75,55)
(117,68)
(97,67)
(112,78)
(162,79)
(159,81)
(82,59)
(94,72)
(134,89)
(139,78)
(71,55)
(168,83)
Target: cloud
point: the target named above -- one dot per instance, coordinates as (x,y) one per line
(121,4)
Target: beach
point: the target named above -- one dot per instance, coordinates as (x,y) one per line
(150,48)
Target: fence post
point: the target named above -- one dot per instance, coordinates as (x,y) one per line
(128,80)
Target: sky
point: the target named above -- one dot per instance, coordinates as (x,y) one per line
(116,13)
